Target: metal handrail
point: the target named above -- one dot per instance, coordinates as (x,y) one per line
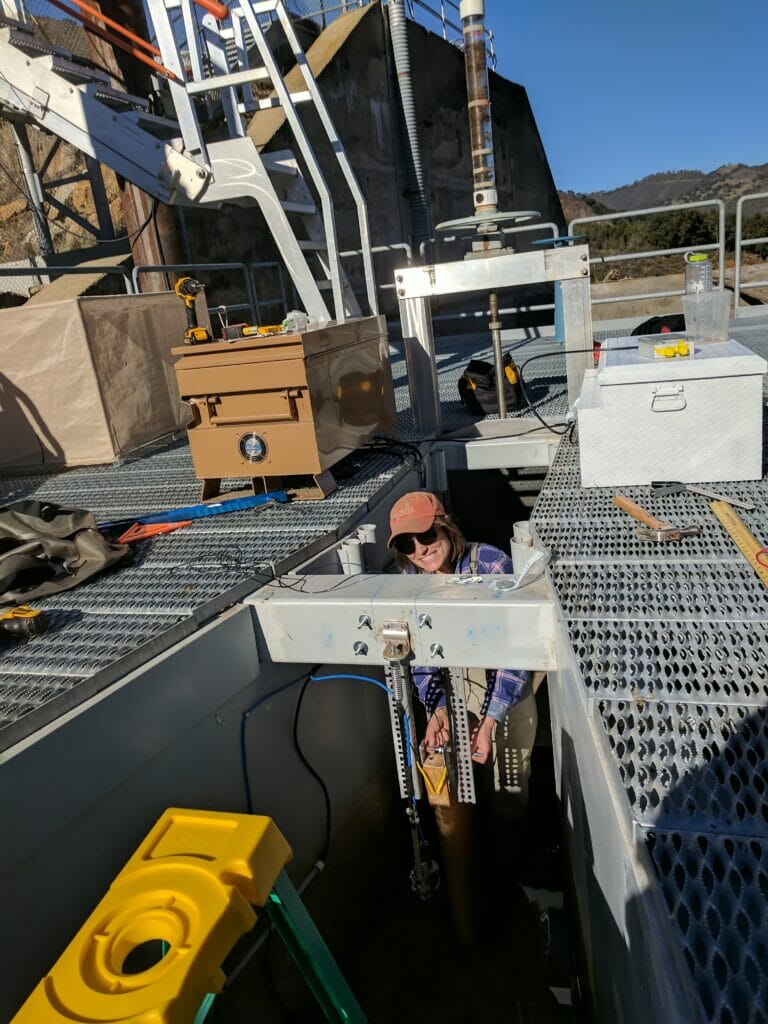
(346,5)
(719,245)
(282,299)
(375,250)
(149,268)
(742,242)
(440,15)
(50,269)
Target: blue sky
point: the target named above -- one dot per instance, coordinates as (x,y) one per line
(623,89)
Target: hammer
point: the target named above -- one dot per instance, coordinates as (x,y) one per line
(653,528)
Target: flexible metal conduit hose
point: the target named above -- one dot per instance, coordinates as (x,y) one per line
(417,197)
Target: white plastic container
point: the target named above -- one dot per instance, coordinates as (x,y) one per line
(692,420)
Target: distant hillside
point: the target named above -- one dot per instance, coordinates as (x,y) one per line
(673,229)
(728,182)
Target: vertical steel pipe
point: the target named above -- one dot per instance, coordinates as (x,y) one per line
(494,326)
(34,189)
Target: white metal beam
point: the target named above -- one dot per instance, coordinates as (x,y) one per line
(508,270)
(468,624)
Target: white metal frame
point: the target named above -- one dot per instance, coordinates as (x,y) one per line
(415,287)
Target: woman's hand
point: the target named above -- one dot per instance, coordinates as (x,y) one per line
(481,742)
(438,731)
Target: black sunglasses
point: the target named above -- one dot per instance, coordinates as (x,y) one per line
(406,542)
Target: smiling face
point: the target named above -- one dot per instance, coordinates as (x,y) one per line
(434,556)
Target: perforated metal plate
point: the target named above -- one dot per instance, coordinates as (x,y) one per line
(114,623)
(600,542)
(21,695)
(700,591)
(721,662)
(692,766)
(715,889)
(671,646)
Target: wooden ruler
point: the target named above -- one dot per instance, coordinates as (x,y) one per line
(741,536)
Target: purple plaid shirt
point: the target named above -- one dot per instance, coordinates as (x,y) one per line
(505,685)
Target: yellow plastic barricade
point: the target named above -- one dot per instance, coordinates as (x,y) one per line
(190,885)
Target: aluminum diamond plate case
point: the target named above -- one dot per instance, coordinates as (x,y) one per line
(645,419)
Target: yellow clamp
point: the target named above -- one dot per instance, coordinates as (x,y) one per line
(190,885)
(436,789)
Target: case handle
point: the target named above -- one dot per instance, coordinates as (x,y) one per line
(671,399)
(291,413)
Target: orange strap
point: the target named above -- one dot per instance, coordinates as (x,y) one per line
(113,39)
(219,11)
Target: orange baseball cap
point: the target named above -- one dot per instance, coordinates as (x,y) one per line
(415,512)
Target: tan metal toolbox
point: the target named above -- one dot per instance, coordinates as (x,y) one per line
(278,408)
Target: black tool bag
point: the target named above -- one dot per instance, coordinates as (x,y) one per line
(45,548)
(674,323)
(477,387)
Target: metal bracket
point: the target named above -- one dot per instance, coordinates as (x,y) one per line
(462,755)
(395,641)
(398,678)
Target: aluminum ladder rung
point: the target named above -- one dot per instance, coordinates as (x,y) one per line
(270,102)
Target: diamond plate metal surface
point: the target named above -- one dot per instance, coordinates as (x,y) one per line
(671,646)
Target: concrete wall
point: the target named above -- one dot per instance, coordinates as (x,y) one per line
(359,86)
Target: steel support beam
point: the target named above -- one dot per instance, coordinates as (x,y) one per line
(450,623)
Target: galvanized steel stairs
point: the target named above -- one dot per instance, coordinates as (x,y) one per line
(172,160)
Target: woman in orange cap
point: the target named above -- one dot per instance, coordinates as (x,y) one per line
(426,539)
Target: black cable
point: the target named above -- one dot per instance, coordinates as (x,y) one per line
(310,769)
(243,722)
(552,355)
(524,390)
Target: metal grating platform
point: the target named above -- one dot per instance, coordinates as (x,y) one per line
(671,646)
(119,620)
(177,581)
(715,889)
(545,381)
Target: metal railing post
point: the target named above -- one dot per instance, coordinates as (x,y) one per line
(740,243)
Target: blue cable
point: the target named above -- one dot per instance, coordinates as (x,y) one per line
(381,686)
(359,679)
